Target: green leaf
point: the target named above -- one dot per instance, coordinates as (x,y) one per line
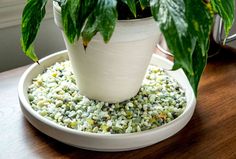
(74,15)
(170,14)
(200,24)
(199,27)
(199,63)
(89,30)
(225,8)
(102,20)
(186,33)
(132,5)
(32,16)
(68,21)
(86,8)
(74,10)
(106,16)
(30,53)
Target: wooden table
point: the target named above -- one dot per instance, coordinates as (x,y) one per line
(211,133)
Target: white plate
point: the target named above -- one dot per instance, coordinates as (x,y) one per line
(103,142)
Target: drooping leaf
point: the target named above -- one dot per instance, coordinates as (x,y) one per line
(90,30)
(199,27)
(132,5)
(32,16)
(225,8)
(106,16)
(74,15)
(186,30)
(103,20)
(170,14)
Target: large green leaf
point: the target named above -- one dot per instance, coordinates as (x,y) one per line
(170,14)
(186,30)
(102,20)
(199,27)
(32,16)
(225,8)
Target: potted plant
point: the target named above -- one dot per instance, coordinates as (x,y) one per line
(113,71)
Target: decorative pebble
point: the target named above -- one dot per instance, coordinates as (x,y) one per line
(54,95)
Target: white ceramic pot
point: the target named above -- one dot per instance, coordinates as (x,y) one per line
(113,72)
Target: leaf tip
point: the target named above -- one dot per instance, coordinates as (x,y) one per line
(85,44)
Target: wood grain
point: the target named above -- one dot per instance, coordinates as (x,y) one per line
(211,133)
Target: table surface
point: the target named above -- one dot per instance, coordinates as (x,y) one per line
(211,133)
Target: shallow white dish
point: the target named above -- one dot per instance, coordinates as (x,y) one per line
(103,142)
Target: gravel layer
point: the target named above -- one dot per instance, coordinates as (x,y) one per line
(55,96)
